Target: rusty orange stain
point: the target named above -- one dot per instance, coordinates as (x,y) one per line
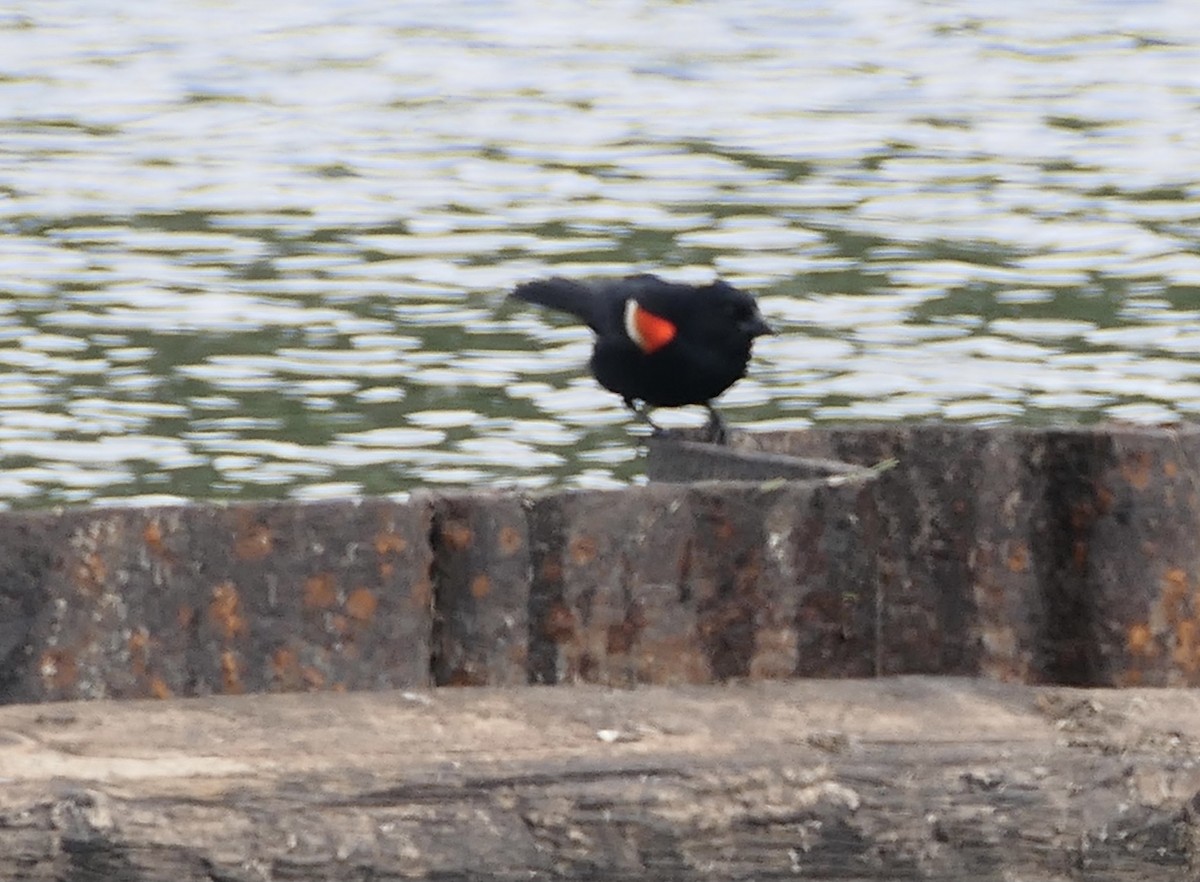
(550,571)
(1186,654)
(58,668)
(1105,499)
(231,673)
(464,676)
(1130,678)
(1176,577)
(724,530)
(159,689)
(1170,468)
(560,623)
(421,593)
(685,561)
(674,660)
(1018,558)
(138,642)
(509,541)
(1175,590)
(1136,470)
(320,591)
(1177,607)
(152,535)
(284,661)
(1140,641)
(620,637)
(91,573)
(456,535)
(481,586)
(225,610)
(389,542)
(285,667)
(313,678)
(185,617)
(256,542)
(361,604)
(583,550)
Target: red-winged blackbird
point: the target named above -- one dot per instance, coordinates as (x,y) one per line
(660,343)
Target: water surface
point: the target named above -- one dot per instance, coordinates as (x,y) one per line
(263,252)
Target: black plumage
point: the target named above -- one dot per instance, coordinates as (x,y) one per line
(659,343)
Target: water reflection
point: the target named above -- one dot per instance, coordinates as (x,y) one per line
(263,252)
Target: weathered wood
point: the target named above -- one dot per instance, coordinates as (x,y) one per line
(219,599)
(1059,555)
(481,589)
(656,584)
(910,778)
(1050,555)
(701,583)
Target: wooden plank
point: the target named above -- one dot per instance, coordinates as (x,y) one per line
(195,600)
(701,583)
(1062,556)
(481,589)
(902,778)
(1057,555)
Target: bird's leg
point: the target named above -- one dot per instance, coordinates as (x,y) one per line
(715,430)
(642,413)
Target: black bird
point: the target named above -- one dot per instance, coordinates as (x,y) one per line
(660,343)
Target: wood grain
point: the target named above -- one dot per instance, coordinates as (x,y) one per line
(900,778)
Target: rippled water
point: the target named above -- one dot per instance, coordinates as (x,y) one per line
(262,250)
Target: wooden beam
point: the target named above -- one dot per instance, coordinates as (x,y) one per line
(900,778)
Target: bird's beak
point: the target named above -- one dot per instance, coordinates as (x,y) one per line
(759,327)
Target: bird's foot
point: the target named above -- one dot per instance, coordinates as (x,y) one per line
(641,412)
(715,430)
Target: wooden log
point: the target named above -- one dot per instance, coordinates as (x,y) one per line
(701,583)
(895,778)
(1060,555)
(651,584)
(481,589)
(1048,556)
(195,600)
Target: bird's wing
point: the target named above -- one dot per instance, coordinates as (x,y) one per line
(592,304)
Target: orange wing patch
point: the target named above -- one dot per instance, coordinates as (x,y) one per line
(649,331)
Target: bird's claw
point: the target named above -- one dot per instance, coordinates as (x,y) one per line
(642,414)
(715,430)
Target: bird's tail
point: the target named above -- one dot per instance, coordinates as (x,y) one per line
(565,295)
